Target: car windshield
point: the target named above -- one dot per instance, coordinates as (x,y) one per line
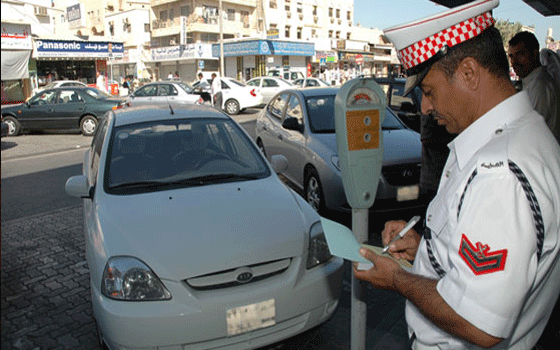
(96,93)
(188,89)
(168,154)
(50,85)
(320,110)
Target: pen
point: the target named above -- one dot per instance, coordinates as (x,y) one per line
(407,227)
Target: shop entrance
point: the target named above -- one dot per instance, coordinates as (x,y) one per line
(83,71)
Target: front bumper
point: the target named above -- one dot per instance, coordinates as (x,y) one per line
(195,319)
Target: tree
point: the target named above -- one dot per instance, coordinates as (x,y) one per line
(508,30)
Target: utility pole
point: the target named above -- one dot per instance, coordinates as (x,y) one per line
(220,19)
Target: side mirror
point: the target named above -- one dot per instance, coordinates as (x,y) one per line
(279,163)
(77,186)
(291,123)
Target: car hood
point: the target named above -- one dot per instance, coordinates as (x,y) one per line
(195,231)
(399,146)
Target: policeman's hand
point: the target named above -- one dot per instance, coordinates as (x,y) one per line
(382,274)
(404,248)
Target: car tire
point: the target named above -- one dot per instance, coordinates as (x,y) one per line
(88,125)
(313,191)
(261,147)
(232,107)
(14,126)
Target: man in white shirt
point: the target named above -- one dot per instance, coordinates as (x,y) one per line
(100,82)
(543,92)
(216,91)
(486,264)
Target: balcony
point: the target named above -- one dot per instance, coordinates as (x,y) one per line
(208,24)
(249,3)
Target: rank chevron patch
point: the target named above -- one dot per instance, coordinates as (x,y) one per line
(480,259)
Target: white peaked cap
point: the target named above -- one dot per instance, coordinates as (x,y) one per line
(419,41)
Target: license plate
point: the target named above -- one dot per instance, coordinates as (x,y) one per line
(247,318)
(407,193)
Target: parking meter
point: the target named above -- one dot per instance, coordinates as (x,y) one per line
(359,112)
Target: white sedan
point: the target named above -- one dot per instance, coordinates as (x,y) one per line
(267,87)
(310,82)
(237,96)
(192,240)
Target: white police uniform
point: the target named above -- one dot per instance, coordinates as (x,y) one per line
(492,237)
(483,237)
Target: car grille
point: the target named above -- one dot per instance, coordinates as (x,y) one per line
(402,175)
(239,276)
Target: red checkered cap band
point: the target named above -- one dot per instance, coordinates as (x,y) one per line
(425,49)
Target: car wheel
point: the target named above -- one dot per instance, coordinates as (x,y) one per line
(232,107)
(314,191)
(88,125)
(261,146)
(14,126)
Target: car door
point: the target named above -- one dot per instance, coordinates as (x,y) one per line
(143,96)
(272,133)
(68,109)
(37,112)
(269,88)
(294,148)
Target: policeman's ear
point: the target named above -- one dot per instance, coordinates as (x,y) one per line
(470,73)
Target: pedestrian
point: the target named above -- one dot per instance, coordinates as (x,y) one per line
(200,77)
(100,82)
(486,269)
(543,91)
(216,91)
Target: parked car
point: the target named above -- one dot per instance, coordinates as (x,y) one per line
(60,83)
(204,89)
(299,124)
(237,96)
(166,92)
(310,82)
(408,108)
(60,108)
(267,87)
(192,240)
(289,75)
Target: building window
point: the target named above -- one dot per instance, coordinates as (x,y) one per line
(231,14)
(185,10)
(330,34)
(272,4)
(146,27)
(348,36)
(349,15)
(314,10)
(337,13)
(163,15)
(299,30)
(244,18)
(299,7)
(338,34)
(330,12)
(171,14)
(287,32)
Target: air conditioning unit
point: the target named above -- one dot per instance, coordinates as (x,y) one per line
(40,11)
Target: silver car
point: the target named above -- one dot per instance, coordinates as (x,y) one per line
(299,124)
(267,87)
(168,92)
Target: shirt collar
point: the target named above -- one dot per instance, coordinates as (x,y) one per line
(474,137)
(531,76)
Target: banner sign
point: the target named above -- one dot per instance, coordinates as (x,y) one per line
(265,47)
(182,51)
(16,37)
(77,49)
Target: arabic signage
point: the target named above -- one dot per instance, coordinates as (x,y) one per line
(16,37)
(272,34)
(184,51)
(75,16)
(77,49)
(265,47)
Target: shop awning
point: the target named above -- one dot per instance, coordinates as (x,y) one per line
(15,64)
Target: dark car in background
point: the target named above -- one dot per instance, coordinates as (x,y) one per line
(299,124)
(408,108)
(60,108)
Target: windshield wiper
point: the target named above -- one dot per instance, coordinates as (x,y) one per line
(215,178)
(138,184)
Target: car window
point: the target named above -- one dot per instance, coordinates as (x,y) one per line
(195,153)
(298,82)
(148,90)
(294,109)
(312,82)
(276,107)
(270,83)
(45,97)
(96,145)
(69,96)
(164,90)
(255,82)
(397,97)
(189,89)
(96,93)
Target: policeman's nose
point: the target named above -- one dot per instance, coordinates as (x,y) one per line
(426,106)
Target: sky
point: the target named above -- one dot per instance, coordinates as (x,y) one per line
(387,13)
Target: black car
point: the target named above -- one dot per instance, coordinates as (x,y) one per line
(60,108)
(408,108)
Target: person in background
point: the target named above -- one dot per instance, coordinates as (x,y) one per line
(216,91)
(100,82)
(543,91)
(486,263)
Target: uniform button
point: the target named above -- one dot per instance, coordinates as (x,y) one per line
(429,218)
(499,131)
(447,173)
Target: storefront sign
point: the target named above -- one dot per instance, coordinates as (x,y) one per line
(16,37)
(183,51)
(265,47)
(272,34)
(64,49)
(75,16)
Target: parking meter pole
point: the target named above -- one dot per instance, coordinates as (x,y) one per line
(358,304)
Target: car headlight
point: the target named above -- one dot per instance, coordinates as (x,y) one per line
(127,278)
(336,162)
(318,252)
